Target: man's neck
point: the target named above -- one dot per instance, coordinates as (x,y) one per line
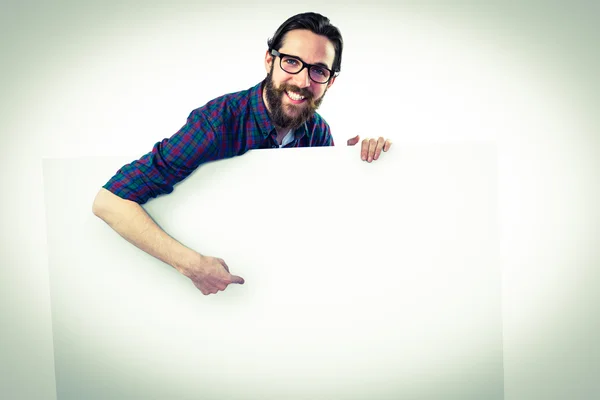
(281,132)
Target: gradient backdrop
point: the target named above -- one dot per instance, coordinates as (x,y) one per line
(112,78)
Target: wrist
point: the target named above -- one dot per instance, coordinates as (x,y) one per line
(186,259)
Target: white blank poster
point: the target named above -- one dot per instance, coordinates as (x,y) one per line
(363,281)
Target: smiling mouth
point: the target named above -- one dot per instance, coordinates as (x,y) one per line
(295,97)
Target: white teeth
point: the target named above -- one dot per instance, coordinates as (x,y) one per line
(295,96)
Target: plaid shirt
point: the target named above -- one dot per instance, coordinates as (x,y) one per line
(225,127)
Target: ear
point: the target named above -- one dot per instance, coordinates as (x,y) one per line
(330,83)
(268,61)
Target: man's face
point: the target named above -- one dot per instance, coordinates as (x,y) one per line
(293,98)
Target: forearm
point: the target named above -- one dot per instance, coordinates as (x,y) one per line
(132,222)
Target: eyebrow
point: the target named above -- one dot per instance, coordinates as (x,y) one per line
(320,64)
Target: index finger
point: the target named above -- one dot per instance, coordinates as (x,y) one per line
(236,279)
(364,150)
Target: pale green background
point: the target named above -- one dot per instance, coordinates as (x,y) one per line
(550,180)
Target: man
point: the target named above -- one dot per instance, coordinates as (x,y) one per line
(302,63)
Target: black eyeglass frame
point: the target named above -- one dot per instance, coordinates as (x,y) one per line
(332,73)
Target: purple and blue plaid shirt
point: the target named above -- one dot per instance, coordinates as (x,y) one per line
(225,127)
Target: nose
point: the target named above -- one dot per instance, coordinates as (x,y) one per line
(301,79)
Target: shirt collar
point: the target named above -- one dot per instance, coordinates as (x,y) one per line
(262,116)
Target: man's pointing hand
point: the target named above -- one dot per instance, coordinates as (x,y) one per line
(209,274)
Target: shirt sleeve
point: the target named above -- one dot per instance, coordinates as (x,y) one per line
(169,162)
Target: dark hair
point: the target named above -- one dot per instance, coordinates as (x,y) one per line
(317,24)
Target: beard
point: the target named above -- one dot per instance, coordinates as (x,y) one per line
(289,116)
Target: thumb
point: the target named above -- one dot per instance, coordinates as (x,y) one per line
(223,264)
(353,141)
(237,279)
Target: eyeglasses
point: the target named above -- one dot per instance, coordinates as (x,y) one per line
(293,65)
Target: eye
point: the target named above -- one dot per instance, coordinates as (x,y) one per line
(291,62)
(320,71)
